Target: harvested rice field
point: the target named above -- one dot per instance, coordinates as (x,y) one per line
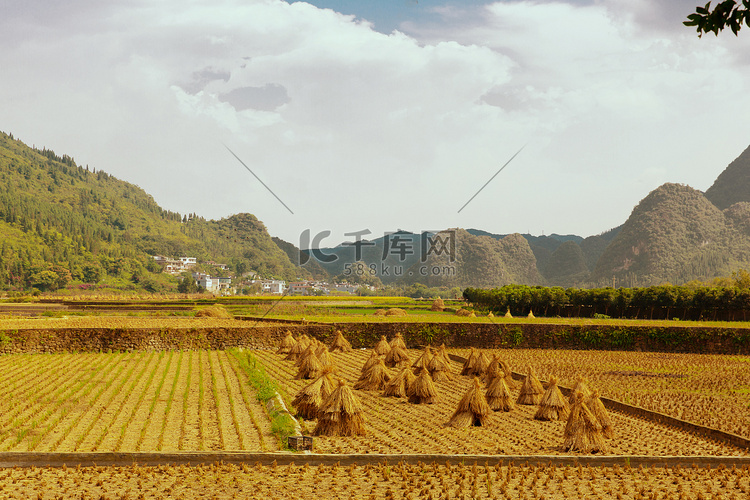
(709,390)
(141,401)
(398,427)
(397,481)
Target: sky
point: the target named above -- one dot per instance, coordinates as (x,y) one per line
(360,116)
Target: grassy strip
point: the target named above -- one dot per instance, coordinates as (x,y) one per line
(282,424)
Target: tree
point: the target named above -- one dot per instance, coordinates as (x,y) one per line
(726,14)
(187,284)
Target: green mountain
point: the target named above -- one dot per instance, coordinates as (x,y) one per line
(61,223)
(479,261)
(733,184)
(675,235)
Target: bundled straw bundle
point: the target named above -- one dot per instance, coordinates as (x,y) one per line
(340,344)
(310,367)
(382,347)
(374,378)
(582,432)
(286,343)
(320,347)
(341,414)
(397,356)
(597,408)
(440,366)
(553,405)
(398,341)
(310,398)
(370,361)
(508,314)
(309,350)
(471,361)
(494,369)
(422,390)
(581,387)
(531,390)
(423,361)
(498,395)
(324,357)
(437,305)
(397,386)
(509,380)
(472,409)
(480,367)
(296,350)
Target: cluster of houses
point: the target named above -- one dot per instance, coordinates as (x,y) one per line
(223,285)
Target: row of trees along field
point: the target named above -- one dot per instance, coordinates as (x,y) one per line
(729,301)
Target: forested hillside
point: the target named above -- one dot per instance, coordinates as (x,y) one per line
(62,223)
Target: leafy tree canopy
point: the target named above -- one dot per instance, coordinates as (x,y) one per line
(727,14)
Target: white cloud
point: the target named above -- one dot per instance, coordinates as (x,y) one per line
(380,131)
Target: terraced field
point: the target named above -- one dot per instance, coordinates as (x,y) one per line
(144,401)
(396,426)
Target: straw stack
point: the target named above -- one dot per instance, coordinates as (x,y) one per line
(296,350)
(398,341)
(581,387)
(597,408)
(340,344)
(311,397)
(531,390)
(494,369)
(509,380)
(473,409)
(397,356)
(553,405)
(286,343)
(422,390)
(397,386)
(382,347)
(374,378)
(469,364)
(440,366)
(423,361)
(582,431)
(310,366)
(498,395)
(341,414)
(437,305)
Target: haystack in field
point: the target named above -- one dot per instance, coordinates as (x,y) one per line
(398,341)
(320,347)
(397,356)
(508,314)
(440,366)
(494,369)
(324,357)
(309,350)
(395,311)
(490,315)
(341,414)
(310,366)
(423,361)
(582,431)
(422,390)
(374,378)
(396,387)
(581,387)
(382,347)
(311,397)
(600,412)
(437,305)
(531,390)
(509,380)
(473,409)
(340,344)
(370,361)
(531,314)
(471,361)
(296,350)
(553,405)
(286,343)
(498,395)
